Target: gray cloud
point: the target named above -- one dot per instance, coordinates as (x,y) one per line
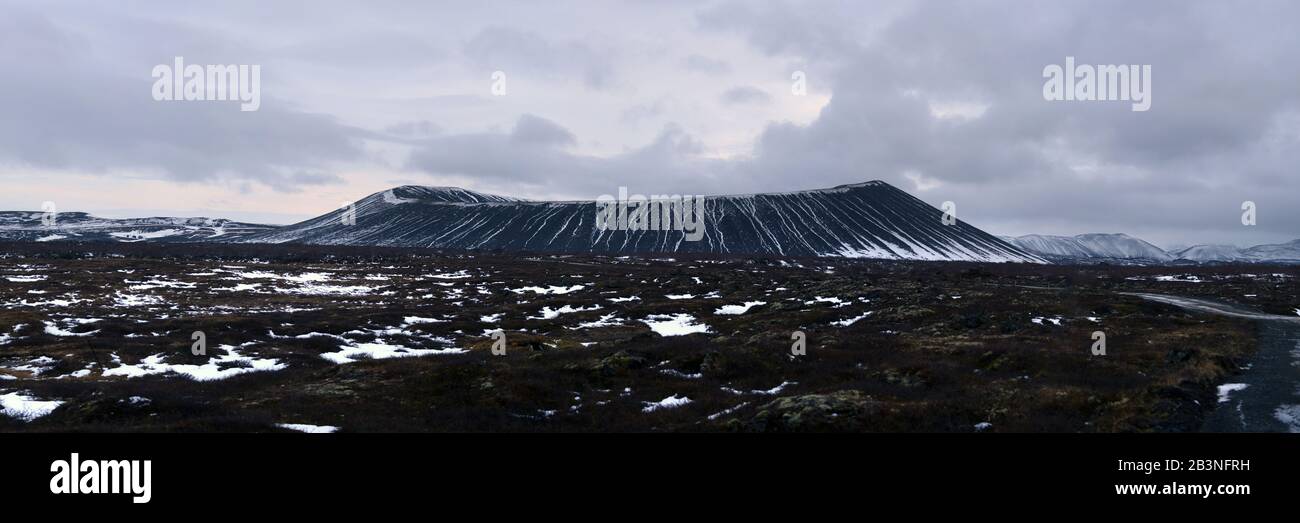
(643,111)
(414,129)
(357,50)
(672,162)
(535,130)
(745,95)
(704,64)
(1222,128)
(68,110)
(945,100)
(814,30)
(511,50)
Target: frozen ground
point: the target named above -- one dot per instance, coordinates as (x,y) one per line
(100,337)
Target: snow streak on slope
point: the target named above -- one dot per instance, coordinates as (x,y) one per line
(405,201)
(868,220)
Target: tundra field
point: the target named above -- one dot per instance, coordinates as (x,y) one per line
(99,337)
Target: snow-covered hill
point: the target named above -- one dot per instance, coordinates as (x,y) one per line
(1268,253)
(1125,248)
(1278,252)
(1093,246)
(867,220)
(79,226)
(1210,253)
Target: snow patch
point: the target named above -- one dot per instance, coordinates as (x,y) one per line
(674,325)
(394,199)
(549,314)
(738,309)
(54,329)
(217,368)
(1290,415)
(310,429)
(670,402)
(835,302)
(379,350)
(1228,388)
(26,407)
(415,320)
(553,289)
(608,320)
(138,236)
(26,278)
(136,300)
(851,321)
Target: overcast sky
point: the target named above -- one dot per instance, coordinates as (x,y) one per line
(942,99)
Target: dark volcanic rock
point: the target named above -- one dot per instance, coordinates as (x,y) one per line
(844,410)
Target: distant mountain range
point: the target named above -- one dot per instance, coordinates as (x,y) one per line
(1288,252)
(1125,248)
(865,220)
(79,226)
(1116,246)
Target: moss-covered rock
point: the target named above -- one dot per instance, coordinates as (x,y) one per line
(844,410)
